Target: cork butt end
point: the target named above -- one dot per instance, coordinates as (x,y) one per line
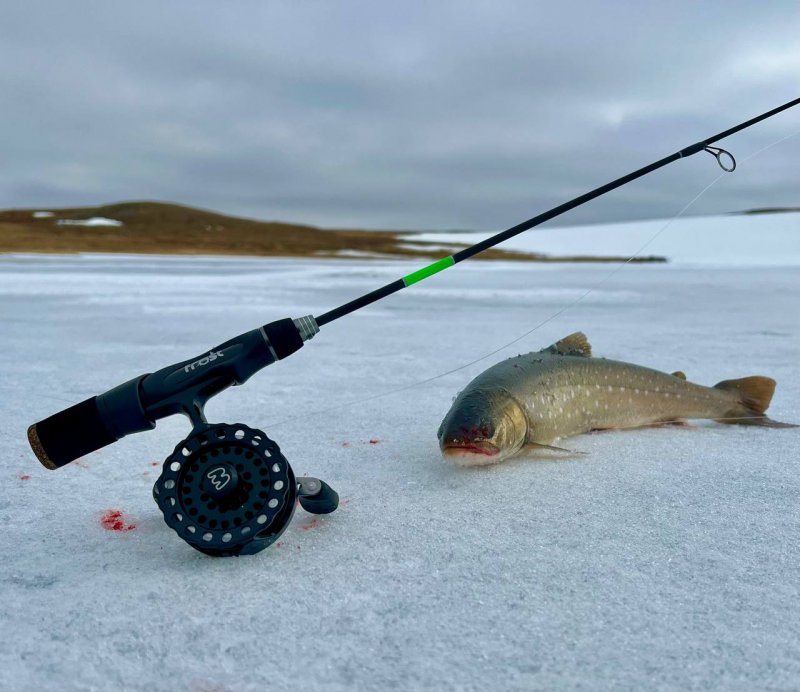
(38,449)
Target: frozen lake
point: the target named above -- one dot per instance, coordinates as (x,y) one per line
(747,240)
(665,558)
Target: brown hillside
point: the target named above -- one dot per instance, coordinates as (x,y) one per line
(159,228)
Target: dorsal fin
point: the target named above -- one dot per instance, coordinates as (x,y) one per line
(680,374)
(573,345)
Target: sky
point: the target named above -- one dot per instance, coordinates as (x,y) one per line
(412,115)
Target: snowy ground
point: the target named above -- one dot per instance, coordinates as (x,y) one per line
(763,240)
(666,558)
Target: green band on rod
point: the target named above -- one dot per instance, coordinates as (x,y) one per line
(430,270)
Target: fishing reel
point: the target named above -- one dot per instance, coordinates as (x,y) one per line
(225,489)
(228,490)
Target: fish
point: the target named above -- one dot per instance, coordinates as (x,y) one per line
(530,401)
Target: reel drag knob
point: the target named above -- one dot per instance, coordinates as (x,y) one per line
(227,490)
(316,496)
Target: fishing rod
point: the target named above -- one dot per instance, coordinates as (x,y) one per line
(227,489)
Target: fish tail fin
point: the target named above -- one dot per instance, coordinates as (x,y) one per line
(755,394)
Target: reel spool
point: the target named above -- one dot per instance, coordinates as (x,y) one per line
(228,490)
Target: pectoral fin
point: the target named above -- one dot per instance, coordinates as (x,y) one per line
(532,446)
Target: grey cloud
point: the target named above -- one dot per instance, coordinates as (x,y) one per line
(402,115)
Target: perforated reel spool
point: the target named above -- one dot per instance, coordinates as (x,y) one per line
(227,490)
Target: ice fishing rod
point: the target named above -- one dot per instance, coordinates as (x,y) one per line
(227,489)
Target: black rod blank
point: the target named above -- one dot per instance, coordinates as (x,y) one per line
(502,236)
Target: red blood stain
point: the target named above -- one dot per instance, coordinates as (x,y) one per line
(344,503)
(313,524)
(345,444)
(78,462)
(374,441)
(153,463)
(113,520)
(279,544)
(24,476)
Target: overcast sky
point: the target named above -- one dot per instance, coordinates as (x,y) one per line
(413,114)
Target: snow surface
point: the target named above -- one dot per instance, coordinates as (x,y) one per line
(42,214)
(424,247)
(763,239)
(665,558)
(93,221)
(361,254)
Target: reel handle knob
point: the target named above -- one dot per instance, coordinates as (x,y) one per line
(316,496)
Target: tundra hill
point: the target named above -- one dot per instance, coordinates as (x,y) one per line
(161,228)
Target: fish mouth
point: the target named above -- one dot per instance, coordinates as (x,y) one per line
(471,453)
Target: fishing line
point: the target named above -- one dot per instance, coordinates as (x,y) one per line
(714,151)
(537,326)
(717,154)
(54,398)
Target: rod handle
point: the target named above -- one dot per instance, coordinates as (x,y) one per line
(89,425)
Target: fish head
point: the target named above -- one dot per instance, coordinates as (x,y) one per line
(483,427)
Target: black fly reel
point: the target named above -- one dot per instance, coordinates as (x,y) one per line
(228,490)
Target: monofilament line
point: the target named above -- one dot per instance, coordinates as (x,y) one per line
(547,320)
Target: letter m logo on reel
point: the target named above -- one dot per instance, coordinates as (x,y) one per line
(219,477)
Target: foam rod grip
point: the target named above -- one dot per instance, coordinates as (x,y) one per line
(69,434)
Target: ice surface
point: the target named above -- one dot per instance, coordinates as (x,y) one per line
(361,254)
(42,214)
(666,558)
(93,221)
(423,247)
